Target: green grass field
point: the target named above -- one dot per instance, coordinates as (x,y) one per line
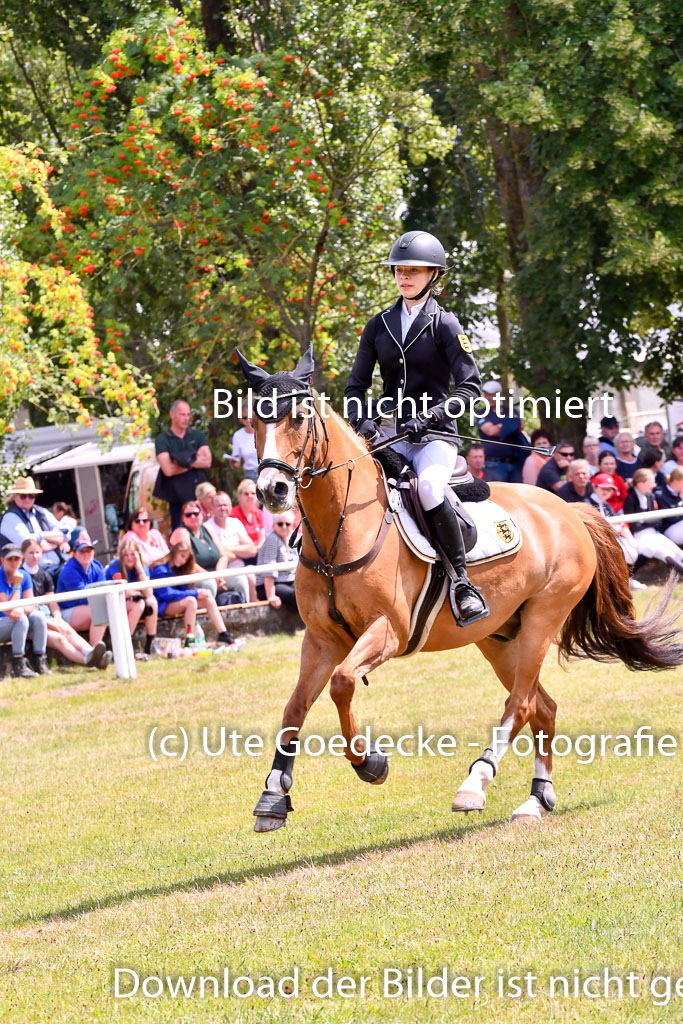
(111,860)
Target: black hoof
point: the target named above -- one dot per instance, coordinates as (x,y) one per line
(271,811)
(374,769)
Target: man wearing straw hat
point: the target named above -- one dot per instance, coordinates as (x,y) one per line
(24,519)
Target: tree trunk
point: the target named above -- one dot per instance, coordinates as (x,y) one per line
(215,28)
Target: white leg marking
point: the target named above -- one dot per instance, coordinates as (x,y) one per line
(273,784)
(533,808)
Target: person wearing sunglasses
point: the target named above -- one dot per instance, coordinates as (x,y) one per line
(23,518)
(152,543)
(553,474)
(208,552)
(278,590)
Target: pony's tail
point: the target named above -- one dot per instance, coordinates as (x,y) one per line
(603,626)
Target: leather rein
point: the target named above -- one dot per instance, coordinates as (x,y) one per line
(325,566)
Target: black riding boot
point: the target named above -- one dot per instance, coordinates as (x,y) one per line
(445,526)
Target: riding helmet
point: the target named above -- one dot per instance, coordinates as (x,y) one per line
(417,249)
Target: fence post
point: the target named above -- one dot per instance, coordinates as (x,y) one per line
(121,640)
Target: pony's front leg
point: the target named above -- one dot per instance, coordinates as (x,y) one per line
(318,658)
(376,645)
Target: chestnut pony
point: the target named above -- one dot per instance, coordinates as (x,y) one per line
(568,582)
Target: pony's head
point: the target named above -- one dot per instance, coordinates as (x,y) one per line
(287,431)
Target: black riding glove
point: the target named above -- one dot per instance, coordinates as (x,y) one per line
(418,426)
(368,430)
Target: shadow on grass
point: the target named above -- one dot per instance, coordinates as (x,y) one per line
(448,835)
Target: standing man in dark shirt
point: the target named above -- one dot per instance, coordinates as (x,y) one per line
(552,475)
(503,462)
(183,455)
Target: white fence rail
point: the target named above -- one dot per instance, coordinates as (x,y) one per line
(114,593)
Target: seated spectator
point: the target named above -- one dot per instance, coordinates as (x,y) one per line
(208,554)
(140,604)
(476,460)
(653,458)
(18,624)
(651,543)
(609,425)
(151,542)
(250,515)
(608,464)
(182,599)
(233,540)
(60,635)
(653,437)
(279,589)
(603,488)
(577,487)
(671,496)
(244,455)
(79,571)
(204,493)
(552,476)
(627,461)
(676,455)
(65,516)
(591,451)
(534,463)
(24,519)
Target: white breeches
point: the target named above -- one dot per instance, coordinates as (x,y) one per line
(434,463)
(675,533)
(652,544)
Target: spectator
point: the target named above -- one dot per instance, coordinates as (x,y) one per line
(233,540)
(60,635)
(476,460)
(244,455)
(151,542)
(627,461)
(18,624)
(653,458)
(676,455)
(671,496)
(79,571)
(534,462)
(503,462)
(653,437)
(183,455)
(24,519)
(591,451)
(608,464)
(182,599)
(609,426)
(140,604)
(646,535)
(65,516)
(603,488)
(278,590)
(250,515)
(207,553)
(551,477)
(204,493)
(577,487)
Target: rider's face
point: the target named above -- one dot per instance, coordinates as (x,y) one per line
(411,280)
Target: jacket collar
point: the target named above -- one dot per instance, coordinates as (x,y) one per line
(392,321)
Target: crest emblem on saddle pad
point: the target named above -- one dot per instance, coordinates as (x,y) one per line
(465,343)
(504,531)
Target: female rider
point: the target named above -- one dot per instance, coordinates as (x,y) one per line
(420,348)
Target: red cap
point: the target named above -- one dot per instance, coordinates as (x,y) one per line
(603,480)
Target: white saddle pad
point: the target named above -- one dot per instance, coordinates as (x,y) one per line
(497,533)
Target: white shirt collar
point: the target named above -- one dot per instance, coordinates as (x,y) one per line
(412,313)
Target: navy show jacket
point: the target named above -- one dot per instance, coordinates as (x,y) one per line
(436,351)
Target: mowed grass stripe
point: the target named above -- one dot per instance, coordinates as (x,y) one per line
(109,859)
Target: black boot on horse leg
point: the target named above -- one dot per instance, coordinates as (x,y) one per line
(274,803)
(467,603)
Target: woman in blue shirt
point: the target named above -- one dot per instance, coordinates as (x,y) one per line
(80,570)
(17,623)
(182,599)
(141,603)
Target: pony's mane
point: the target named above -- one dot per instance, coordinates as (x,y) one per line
(350,434)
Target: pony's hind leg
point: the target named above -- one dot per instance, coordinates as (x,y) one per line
(318,657)
(376,645)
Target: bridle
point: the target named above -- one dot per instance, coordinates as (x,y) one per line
(300,471)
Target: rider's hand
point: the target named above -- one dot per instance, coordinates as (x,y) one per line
(416,427)
(368,430)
